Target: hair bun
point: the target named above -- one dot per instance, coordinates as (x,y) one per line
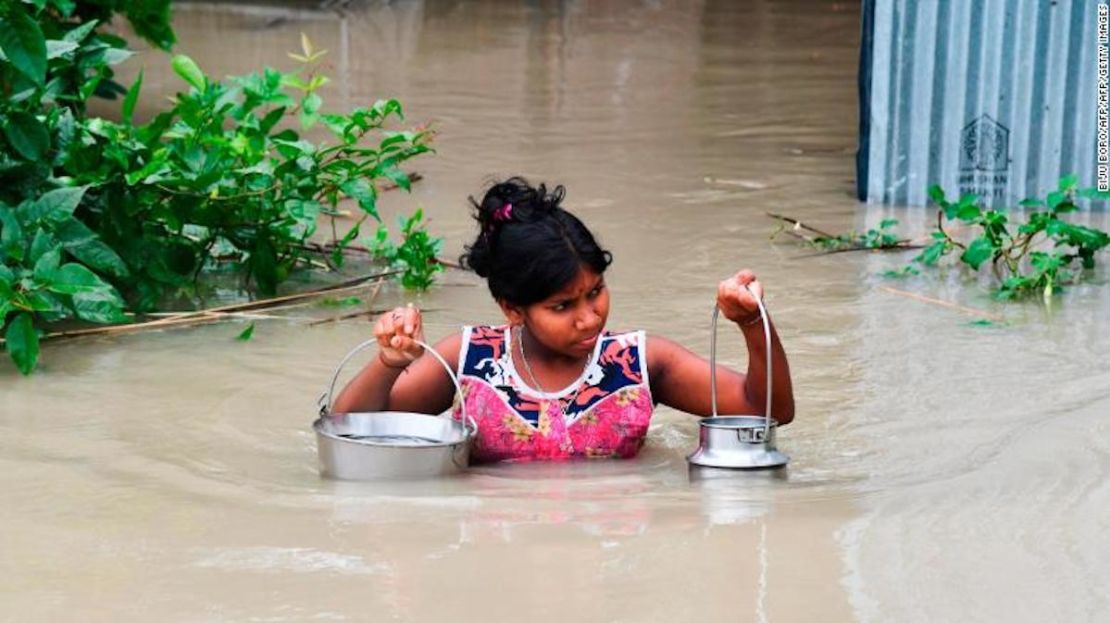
(528,246)
(515,200)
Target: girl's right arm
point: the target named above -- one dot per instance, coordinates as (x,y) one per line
(400,378)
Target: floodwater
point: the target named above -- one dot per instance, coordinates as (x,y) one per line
(941,470)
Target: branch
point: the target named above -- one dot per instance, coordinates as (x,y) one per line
(799,225)
(223,312)
(960,308)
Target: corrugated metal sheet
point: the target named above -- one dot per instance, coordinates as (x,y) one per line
(995,97)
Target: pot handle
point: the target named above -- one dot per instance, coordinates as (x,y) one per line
(713,361)
(326,398)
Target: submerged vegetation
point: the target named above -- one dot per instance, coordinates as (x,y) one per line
(1041,254)
(100,216)
(1037,256)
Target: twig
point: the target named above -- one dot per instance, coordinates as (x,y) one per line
(245,315)
(350,284)
(413,177)
(370,299)
(132,328)
(897,246)
(219,313)
(363,312)
(328,247)
(448,263)
(970,311)
(799,225)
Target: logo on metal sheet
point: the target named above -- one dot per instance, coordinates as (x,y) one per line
(986,146)
(985,158)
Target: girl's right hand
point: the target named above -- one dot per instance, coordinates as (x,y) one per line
(397,332)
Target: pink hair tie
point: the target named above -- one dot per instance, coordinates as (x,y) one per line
(503,213)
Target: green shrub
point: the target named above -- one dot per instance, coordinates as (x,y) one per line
(1039,255)
(95,212)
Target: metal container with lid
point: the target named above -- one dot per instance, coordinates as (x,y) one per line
(738,441)
(392,444)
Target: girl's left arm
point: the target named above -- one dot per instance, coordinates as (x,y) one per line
(680,379)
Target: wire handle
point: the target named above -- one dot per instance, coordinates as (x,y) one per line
(713,360)
(325,400)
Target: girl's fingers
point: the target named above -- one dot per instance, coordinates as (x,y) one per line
(411,318)
(397,331)
(408,347)
(382,332)
(756,288)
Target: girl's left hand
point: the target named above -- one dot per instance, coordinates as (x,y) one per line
(736,302)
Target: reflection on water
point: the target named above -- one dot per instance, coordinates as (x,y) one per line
(939,468)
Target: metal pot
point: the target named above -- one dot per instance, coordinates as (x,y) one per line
(391,444)
(738,441)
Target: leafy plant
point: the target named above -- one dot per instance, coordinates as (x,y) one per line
(415,256)
(52,265)
(218,177)
(40,283)
(94,212)
(882,238)
(1039,255)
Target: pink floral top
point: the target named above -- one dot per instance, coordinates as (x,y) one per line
(608,418)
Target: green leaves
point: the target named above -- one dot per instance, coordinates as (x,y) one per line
(11,235)
(22,342)
(932,253)
(92,207)
(936,194)
(189,71)
(131,99)
(1018,259)
(27,135)
(22,42)
(415,256)
(70,278)
(980,250)
(54,205)
(151,21)
(246,334)
(364,193)
(99,306)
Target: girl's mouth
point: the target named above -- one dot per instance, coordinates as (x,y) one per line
(589,343)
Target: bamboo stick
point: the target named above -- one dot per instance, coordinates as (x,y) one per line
(970,311)
(370,299)
(900,245)
(217,313)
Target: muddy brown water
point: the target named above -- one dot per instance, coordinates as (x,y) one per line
(941,471)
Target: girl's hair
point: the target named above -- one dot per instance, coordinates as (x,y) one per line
(528,247)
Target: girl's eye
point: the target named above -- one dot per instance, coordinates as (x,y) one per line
(559,307)
(596,290)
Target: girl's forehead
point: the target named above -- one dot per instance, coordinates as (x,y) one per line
(582,282)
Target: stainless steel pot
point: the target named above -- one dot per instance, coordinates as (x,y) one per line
(738,441)
(391,444)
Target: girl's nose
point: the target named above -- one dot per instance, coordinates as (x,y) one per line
(588,320)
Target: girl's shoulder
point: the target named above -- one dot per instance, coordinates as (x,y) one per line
(498,329)
(623,339)
(479,343)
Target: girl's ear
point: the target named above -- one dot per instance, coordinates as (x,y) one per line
(514,314)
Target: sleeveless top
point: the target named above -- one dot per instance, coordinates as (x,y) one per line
(608,418)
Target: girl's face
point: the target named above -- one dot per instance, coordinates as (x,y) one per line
(570,320)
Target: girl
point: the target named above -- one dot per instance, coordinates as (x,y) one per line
(553,382)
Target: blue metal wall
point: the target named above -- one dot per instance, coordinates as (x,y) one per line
(995,97)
